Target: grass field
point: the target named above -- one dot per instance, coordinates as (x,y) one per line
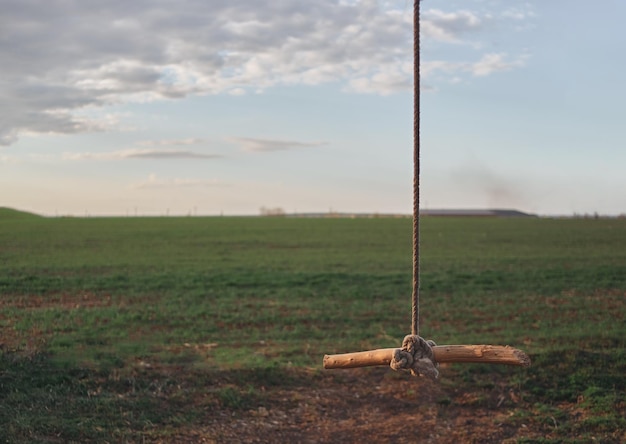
(185,329)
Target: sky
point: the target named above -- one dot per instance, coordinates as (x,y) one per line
(196,107)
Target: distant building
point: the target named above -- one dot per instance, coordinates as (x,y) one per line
(476,213)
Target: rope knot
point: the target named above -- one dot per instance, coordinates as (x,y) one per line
(416,355)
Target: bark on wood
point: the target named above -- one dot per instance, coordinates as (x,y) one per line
(492,354)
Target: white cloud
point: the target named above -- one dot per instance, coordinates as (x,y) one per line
(139,154)
(154,182)
(450,26)
(491,63)
(171,142)
(388,80)
(8,160)
(237,92)
(263,145)
(486,65)
(56,67)
(519,13)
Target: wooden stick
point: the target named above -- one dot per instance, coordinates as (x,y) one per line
(492,354)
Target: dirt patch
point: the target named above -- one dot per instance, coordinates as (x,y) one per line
(371,405)
(85,299)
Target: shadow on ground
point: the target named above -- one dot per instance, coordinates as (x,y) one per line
(570,398)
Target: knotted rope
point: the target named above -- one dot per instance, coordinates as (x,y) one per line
(416,355)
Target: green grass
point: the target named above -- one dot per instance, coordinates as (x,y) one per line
(101,297)
(11,214)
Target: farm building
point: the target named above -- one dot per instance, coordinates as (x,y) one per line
(476,213)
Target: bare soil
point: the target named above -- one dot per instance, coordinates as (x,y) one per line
(374,405)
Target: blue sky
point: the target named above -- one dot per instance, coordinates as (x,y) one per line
(194,107)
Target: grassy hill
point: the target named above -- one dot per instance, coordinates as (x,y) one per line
(10,213)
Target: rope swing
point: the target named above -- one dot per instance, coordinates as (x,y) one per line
(421,356)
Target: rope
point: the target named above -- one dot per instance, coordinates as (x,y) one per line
(416,353)
(415,327)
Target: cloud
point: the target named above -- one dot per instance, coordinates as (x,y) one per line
(56,69)
(171,142)
(140,154)
(154,182)
(8,136)
(486,65)
(8,160)
(491,63)
(450,26)
(388,80)
(237,92)
(170,154)
(519,13)
(263,145)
